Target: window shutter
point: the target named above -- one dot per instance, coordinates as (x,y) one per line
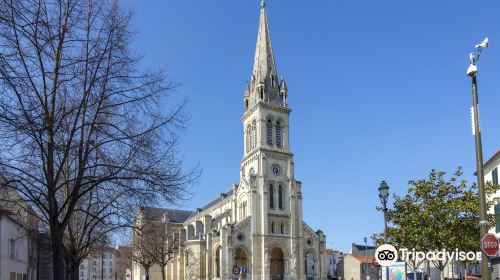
(494,175)
(280,197)
(278,135)
(271,196)
(269,133)
(249,140)
(254,128)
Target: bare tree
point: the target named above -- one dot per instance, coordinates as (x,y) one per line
(84,133)
(156,243)
(124,262)
(165,243)
(144,248)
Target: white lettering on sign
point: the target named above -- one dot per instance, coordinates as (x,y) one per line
(489,244)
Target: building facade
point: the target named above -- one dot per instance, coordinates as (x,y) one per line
(354,267)
(18,236)
(13,247)
(101,264)
(491,169)
(255,228)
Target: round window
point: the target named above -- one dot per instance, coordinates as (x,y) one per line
(241,237)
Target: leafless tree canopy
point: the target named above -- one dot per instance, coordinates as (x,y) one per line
(85,133)
(155,244)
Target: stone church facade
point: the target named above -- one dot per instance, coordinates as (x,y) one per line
(257,224)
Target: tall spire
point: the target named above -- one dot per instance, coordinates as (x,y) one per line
(264,84)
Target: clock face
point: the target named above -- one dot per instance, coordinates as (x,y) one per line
(276,170)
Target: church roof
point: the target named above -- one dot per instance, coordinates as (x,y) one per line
(173,215)
(212,203)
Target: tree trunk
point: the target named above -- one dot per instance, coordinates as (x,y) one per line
(73,269)
(163,275)
(59,273)
(147,273)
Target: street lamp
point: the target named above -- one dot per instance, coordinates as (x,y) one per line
(476,130)
(383,194)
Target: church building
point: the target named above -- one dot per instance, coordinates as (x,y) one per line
(255,230)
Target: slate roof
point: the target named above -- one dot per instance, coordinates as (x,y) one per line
(363,247)
(173,215)
(221,197)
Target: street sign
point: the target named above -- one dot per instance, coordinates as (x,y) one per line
(489,245)
(244,269)
(236,270)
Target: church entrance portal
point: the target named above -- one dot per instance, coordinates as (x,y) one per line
(277,264)
(240,258)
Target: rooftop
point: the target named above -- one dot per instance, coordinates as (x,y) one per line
(221,197)
(173,215)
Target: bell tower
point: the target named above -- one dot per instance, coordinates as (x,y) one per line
(267,169)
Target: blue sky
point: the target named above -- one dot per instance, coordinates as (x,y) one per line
(378,91)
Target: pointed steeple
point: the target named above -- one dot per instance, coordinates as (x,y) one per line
(264,83)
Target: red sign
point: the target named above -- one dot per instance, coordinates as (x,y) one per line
(489,245)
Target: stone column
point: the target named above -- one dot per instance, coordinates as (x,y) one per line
(180,268)
(287,269)
(224,253)
(208,265)
(174,270)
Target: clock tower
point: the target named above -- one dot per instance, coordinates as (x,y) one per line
(270,198)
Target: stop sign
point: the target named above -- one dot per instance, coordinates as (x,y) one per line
(489,245)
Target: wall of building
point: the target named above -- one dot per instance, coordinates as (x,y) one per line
(100,264)
(12,259)
(351,268)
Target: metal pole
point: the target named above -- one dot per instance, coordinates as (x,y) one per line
(385,236)
(483,220)
(366,258)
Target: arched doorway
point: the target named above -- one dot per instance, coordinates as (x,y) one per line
(277,264)
(240,258)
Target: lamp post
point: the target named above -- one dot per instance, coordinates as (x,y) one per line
(476,130)
(366,257)
(383,194)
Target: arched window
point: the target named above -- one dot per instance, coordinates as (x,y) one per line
(272,227)
(254,128)
(243,210)
(217,262)
(261,89)
(282,228)
(246,105)
(269,133)
(249,138)
(278,135)
(280,197)
(271,196)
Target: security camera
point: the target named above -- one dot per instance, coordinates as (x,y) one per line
(484,44)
